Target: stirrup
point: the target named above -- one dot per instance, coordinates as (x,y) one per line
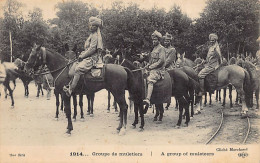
(146,101)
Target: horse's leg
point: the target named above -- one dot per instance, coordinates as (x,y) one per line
(177,104)
(5,90)
(210,101)
(140,108)
(108,101)
(161,111)
(192,104)
(219,96)
(244,110)
(156,113)
(41,89)
(224,96)
(180,114)
(92,96)
(205,100)
(216,95)
(81,106)
(62,102)
(257,98)
(57,103)
(136,115)
(115,106)
(230,95)
(198,103)
(10,92)
(120,99)
(187,114)
(38,90)
(89,103)
(167,106)
(67,108)
(75,106)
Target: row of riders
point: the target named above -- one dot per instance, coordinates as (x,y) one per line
(155,83)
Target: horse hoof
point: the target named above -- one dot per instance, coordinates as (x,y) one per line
(68,132)
(82,119)
(177,127)
(56,119)
(108,111)
(197,112)
(133,126)
(155,119)
(122,132)
(185,125)
(91,115)
(191,117)
(141,129)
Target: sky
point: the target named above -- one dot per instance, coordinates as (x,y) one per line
(192,8)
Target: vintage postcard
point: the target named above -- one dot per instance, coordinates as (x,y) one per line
(126,81)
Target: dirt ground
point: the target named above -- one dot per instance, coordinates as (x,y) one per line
(31,123)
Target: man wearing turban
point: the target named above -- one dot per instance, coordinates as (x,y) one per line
(170,52)
(156,65)
(213,58)
(88,58)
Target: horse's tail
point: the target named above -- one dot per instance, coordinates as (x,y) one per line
(247,82)
(194,84)
(130,81)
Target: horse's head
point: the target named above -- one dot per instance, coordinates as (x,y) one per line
(34,58)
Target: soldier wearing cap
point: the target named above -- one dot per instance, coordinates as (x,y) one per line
(88,58)
(213,58)
(170,52)
(156,64)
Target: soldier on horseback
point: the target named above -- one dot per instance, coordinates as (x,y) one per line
(89,57)
(156,65)
(213,58)
(170,52)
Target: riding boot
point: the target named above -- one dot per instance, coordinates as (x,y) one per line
(149,94)
(72,86)
(202,91)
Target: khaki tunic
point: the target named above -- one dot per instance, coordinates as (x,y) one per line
(170,58)
(212,59)
(90,54)
(157,64)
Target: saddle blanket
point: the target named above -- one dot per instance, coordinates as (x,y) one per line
(211,80)
(162,90)
(95,74)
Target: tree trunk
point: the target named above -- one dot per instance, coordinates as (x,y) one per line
(11,47)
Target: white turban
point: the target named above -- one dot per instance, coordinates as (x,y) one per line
(213,36)
(156,34)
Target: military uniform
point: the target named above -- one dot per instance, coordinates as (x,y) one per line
(90,54)
(212,59)
(157,64)
(170,57)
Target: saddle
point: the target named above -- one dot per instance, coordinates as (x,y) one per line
(97,73)
(211,80)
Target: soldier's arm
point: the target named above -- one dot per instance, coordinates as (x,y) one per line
(92,48)
(161,60)
(171,57)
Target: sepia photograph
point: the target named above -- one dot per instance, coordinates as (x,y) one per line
(129,81)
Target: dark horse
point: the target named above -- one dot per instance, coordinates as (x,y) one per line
(115,80)
(181,83)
